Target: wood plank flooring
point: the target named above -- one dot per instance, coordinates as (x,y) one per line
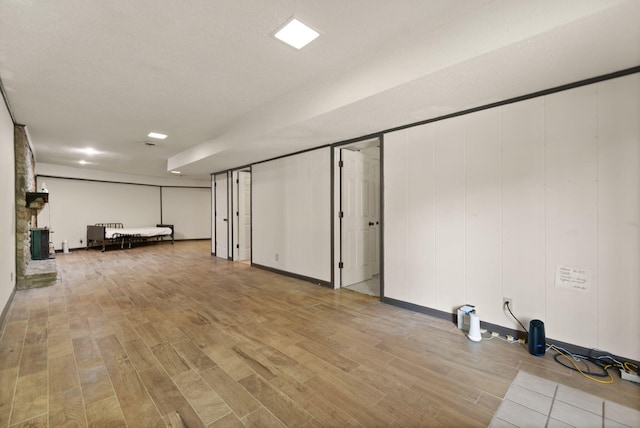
(167,335)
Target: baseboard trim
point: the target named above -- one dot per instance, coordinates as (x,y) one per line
(503,331)
(5,311)
(294,275)
(148,242)
(422,309)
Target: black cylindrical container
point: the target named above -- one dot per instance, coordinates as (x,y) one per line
(537,340)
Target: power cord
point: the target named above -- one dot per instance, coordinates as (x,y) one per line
(514,317)
(575,358)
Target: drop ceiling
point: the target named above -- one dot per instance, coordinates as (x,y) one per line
(211,76)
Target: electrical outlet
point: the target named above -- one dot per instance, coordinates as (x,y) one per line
(506,300)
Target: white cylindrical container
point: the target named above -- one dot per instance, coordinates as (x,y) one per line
(65,247)
(474,328)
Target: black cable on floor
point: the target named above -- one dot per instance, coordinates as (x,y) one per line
(514,317)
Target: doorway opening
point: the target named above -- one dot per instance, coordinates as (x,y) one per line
(220,219)
(358,211)
(231,222)
(241,222)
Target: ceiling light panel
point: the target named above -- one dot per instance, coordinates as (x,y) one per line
(90,151)
(157,135)
(296,34)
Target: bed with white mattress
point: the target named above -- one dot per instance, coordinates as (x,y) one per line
(103,234)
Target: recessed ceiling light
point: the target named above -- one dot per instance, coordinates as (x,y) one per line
(90,151)
(157,135)
(296,34)
(83,162)
(175,172)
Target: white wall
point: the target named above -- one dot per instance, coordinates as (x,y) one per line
(291,214)
(189,210)
(7,208)
(488,205)
(75,203)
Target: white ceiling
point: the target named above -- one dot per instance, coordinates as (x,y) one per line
(103,74)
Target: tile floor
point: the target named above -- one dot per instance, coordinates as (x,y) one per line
(370,287)
(535,402)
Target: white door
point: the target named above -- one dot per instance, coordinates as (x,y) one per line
(213,217)
(235,212)
(373,184)
(355,218)
(241,190)
(222,216)
(244,215)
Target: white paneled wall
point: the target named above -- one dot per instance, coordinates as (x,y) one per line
(490,204)
(483,208)
(421,279)
(398,263)
(73,204)
(618,236)
(291,214)
(570,214)
(449,214)
(523,209)
(189,210)
(268,228)
(7,208)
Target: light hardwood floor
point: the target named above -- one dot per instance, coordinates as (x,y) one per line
(169,335)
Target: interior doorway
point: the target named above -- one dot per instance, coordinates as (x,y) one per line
(358,202)
(221,216)
(242,215)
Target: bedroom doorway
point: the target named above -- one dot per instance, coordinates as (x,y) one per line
(221,215)
(358,201)
(242,215)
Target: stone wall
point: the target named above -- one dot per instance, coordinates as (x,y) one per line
(25,182)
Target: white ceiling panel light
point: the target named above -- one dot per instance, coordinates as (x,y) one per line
(175,172)
(157,135)
(90,151)
(296,34)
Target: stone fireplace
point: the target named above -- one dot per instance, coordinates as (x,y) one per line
(29,273)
